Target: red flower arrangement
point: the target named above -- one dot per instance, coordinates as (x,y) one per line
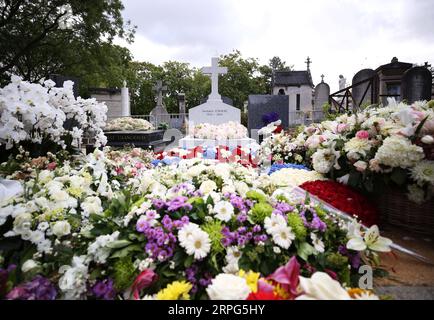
(344,198)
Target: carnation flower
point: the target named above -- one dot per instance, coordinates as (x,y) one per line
(228,287)
(423,172)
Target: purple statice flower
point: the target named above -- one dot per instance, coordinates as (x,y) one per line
(237,202)
(260,238)
(354,258)
(104,289)
(242,217)
(314,222)
(283,207)
(142,225)
(158,203)
(256,228)
(179,203)
(39,288)
(278,212)
(167,222)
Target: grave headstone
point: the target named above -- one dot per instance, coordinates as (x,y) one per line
(321,95)
(159,113)
(416,84)
(214,110)
(260,105)
(358,91)
(226,100)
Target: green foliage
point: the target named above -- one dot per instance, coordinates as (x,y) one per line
(297,225)
(34,45)
(214,228)
(329,114)
(124,273)
(256,196)
(260,211)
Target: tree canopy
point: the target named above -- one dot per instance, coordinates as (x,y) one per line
(75,38)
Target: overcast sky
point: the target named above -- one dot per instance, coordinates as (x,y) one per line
(340,36)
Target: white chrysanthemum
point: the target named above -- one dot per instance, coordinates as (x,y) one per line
(282,236)
(228,287)
(198,244)
(185,232)
(224,211)
(423,172)
(357,147)
(290,177)
(73,282)
(274,221)
(399,152)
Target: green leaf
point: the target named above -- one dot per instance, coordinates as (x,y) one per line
(126,251)
(118,244)
(188,261)
(304,250)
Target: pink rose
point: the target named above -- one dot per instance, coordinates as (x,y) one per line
(52,166)
(362,134)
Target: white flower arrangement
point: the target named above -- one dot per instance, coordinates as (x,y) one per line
(33,112)
(228,130)
(128,123)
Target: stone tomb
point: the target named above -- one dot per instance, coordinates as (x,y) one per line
(213,111)
(416,84)
(143,139)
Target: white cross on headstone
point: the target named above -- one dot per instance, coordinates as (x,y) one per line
(159,88)
(214,71)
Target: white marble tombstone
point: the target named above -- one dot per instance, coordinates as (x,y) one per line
(213,111)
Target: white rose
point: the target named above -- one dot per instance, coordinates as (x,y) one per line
(360,165)
(92,205)
(29,265)
(228,287)
(22,222)
(208,186)
(241,187)
(61,228)
(427,139)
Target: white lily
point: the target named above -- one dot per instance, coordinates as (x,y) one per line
(322,287)
(371,240)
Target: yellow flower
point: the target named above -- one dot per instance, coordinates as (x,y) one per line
(175,291)
(76,192)
(251,279)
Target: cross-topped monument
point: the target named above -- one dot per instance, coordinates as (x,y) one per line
(308,62)
(322,78)
(214,71)
(159,89)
